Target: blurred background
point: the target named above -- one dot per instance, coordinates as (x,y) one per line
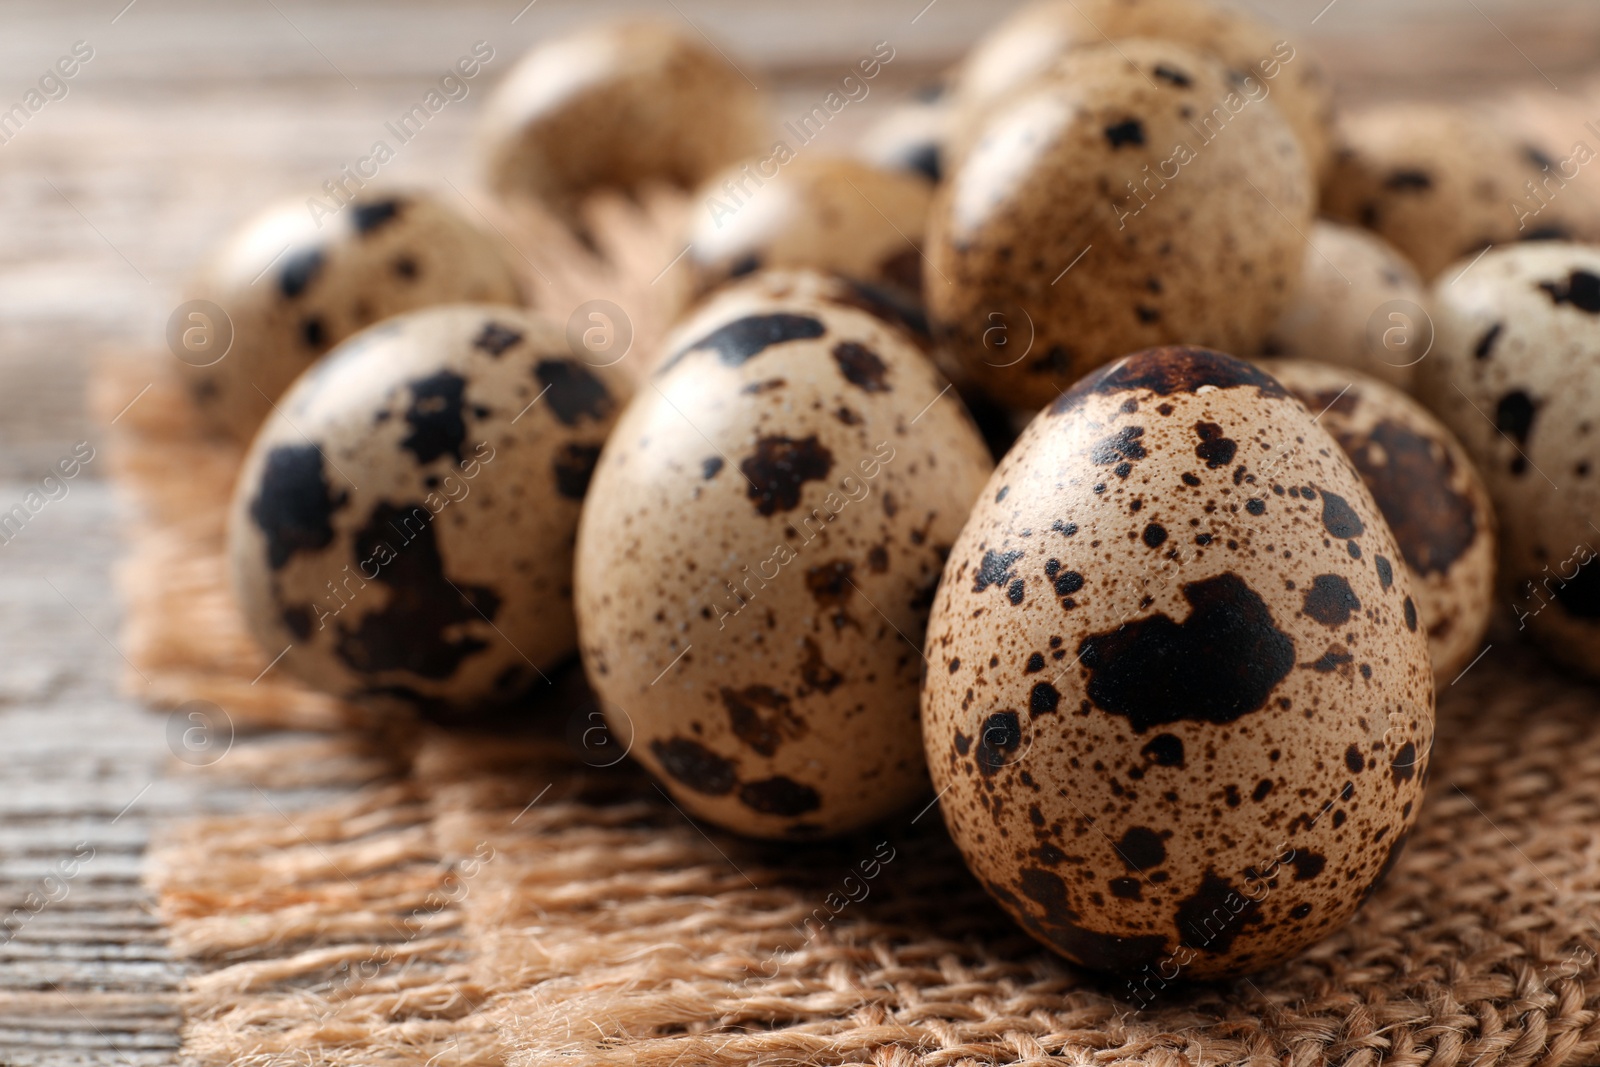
(184,118)
(191,115)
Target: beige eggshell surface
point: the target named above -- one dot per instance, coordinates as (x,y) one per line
(1442,181)
(1516,374)
(910,137)
(821,212)
(1359,304)
(1032,39)
(1178,703)
(758,553)
(617,104)
(1430,494)
(403,526)
(294,283)
(1135,197)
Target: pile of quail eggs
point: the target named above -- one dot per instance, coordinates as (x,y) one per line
(1288,386)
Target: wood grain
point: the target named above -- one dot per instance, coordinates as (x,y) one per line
(188,116)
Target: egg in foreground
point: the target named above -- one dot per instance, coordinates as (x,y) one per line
(401,530)
(1179,704)
(758,554)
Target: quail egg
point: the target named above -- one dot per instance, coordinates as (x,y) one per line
(758,553)
(1178,705)
(1430,494)
(1136,196)
(401,531)
(1035,37)
(829,214)
(616,105)
(910,137)
(294,282)
(1443,181)
(1516,374)
(1359,304)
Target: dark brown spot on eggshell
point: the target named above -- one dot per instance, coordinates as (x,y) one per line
(495,339)
(1165,750)
(816,675)
(994,570)
(999,739)
(1580,290)
(409,632)
(761,717)
(573,391)
(1330,600)
(294,507)
(1141,848)
(861,367)
(1166,371)
(696,766)
(1059,926)
(1215,915)
(1219,664)
(574,467)
(1214,448)
(1120,448)
(1339,518)
(1412,478)
(780,467)
(779,795)
(744,339)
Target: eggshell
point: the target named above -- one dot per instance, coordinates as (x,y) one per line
(1443,181)
(617,104)
(402,528)
(1032,39)
(1178,705)
(1059,235)
(910,137)
(295,282)
(826,213)
(1516,374)
(1429,492)
(1359,304)
(758,553)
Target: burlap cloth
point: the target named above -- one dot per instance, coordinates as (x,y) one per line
(495,895)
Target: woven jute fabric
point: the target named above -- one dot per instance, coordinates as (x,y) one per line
(510,892)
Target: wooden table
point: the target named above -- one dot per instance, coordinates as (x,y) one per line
(186,118)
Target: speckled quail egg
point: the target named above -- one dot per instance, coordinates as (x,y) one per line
(1035,37)
(295,283)
(1430,494)
(1443,181)
(1359,304)
(1178,703)
(617,104)
(1516,374)
(1096,215)
(830,214)
(758,553)
(402,527)
(911,136)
